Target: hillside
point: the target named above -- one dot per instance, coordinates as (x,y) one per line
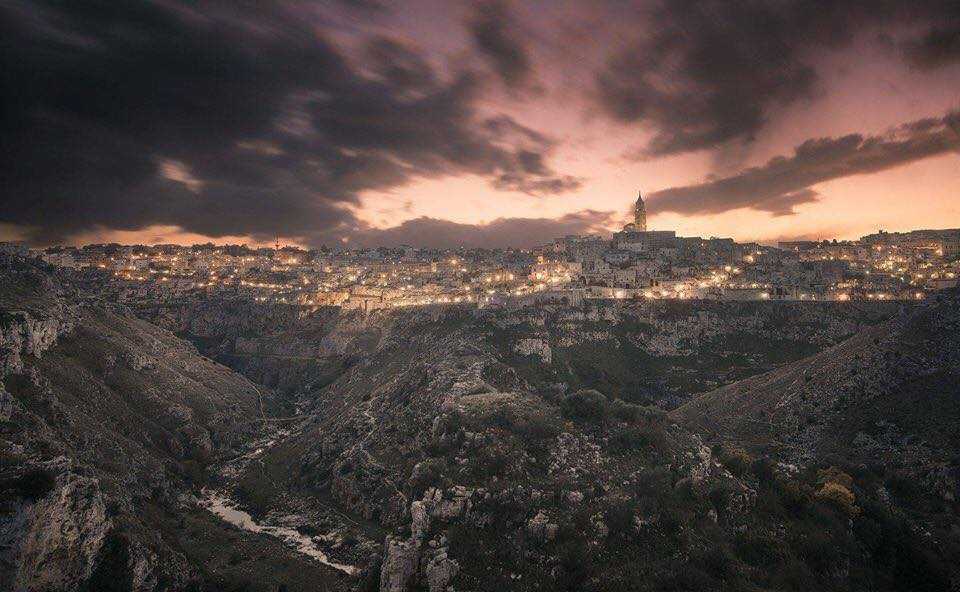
(107,425)
(443,447)
(652,352)
(890,394)
(442,457)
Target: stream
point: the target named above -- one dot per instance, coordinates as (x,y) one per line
(226,509)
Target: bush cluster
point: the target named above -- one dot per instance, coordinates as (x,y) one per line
(735,459)
(835,490)
(587,405)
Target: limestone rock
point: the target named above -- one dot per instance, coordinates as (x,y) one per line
(399,564)
(439,571)
(535,347)
(67,531)
(541,528)
(6,404)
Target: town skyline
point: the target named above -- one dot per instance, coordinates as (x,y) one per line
(133,239)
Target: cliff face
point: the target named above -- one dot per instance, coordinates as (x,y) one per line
(55,542)
(665,351)
(659,351)
(274,345)
(33,315)
(22,334)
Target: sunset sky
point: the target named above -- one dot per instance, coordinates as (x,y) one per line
(447,122)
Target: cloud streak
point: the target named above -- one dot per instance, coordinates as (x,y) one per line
(276,117)
(787,181)
(501,232)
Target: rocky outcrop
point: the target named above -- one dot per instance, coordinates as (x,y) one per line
(440,571)
(23,334)
(6,403)
(535,347)
(417,559)
(399,564)
(102,414)
(541,528)
(63,536)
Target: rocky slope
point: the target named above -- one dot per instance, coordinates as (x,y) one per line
(445,448)
(432,435)
(107,425)
(278,346)
(890,396)
(442,459)
(665,351)
(659,351)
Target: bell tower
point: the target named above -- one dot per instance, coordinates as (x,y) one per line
(640,214)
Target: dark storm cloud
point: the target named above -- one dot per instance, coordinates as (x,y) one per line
(502,232)
(494,34)
(938,47)
(367,5)
(785,182)
(705,73)
(275,130)
(399,65)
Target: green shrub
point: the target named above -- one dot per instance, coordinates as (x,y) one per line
(762,468)
(619,517)
(586,405)
(906,488)
(834,475)
(499,418)
(717,561)
(236,558)
(633,413)
(537,428)
(625,411)
(720,499)
(493,460)
(759,550)
(793,497)
(653,413)
(684,578)
(634,439)
(576,566)
(838,496)
(919,569)
(428,473)
(835,490)
(736,460)
(818,551)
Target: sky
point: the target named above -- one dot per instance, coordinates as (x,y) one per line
(443,123)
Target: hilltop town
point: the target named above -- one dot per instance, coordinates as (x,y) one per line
(635,262)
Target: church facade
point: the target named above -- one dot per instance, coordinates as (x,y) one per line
(636,238)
